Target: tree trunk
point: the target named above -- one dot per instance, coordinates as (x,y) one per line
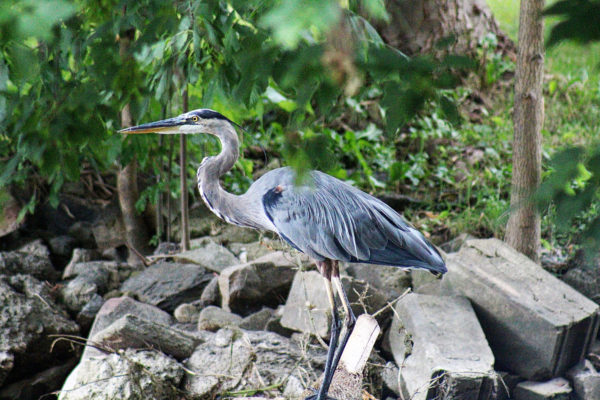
(127,187)
(418,25)
(185,219)
(523,229)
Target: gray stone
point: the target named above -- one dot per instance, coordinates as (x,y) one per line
(247,287)
(441,349)
(62,245)
(247,252)
(167,248)
(28,318)
(186,313)
(38,266)
(231,233)
(258,321)
(40,385)
(86,316)
(131,374)
(36,247)
(131,331)
(117,307)
(108,228)
(390,374)
(208,254)
(166,285)
(391,281)
(537,325)
(93,278)
(307,308)
(274,324)
(80,256)
(555,389)
(241,360)
(211,295)
(585,380)
(81,231)
(214,318)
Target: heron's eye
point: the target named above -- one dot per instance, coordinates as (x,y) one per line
(195,118)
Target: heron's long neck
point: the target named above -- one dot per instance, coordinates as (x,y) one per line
(227,206)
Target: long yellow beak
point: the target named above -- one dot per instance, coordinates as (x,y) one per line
(165,126)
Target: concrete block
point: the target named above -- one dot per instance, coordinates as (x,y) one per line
(585,380)
(555,389)
(537,326)
(441,349)
(214,318)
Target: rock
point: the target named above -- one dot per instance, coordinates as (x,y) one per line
(231,233)
(62,245)
(585,380)
(117,307)
(167,248)
(40,385)
(391,281)
(555,389)
(234,361)
(307,308)
(537,325)
(91,279)
(82,232)
(133,332)
(28,316)
(214,318)
(86,316)
(79,256)
(247,287)
(211,294)
(186,313)
(390,374)
(441,347)
(209,255)
(9,212)
(166,285)
(455,244)
(252,251)
(274,324)
(38,266)
(108,228)
(132,374)
(257,321)
(37,248)
(585,279)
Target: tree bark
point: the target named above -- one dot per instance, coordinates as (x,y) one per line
(523,228)
(185,219)
(418,25)
(135,228)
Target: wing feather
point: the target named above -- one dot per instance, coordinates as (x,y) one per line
(333,220)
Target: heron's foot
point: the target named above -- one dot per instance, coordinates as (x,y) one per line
(315,395)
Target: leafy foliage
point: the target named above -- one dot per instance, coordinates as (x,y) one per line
(580,21)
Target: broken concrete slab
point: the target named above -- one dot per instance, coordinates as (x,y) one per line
(555,389)
(537,325)
(208,254)
(214,318)
(265,281)
(131,331)
(166,285)
(391,281)
(585,380)
(307,308)
(440,348)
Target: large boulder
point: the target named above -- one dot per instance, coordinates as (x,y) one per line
(235,360)
(166,284)
(23,262)
(265,281)
(28,318)
(130,374)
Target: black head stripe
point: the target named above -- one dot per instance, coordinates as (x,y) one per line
(209,114)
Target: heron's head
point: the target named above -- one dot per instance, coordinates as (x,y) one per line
(198,121)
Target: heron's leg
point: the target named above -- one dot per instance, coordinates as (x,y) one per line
(325,269)
(350,319)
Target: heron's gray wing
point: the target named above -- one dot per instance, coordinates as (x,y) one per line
(330,219)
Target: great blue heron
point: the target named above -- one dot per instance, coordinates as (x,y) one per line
(325,218)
